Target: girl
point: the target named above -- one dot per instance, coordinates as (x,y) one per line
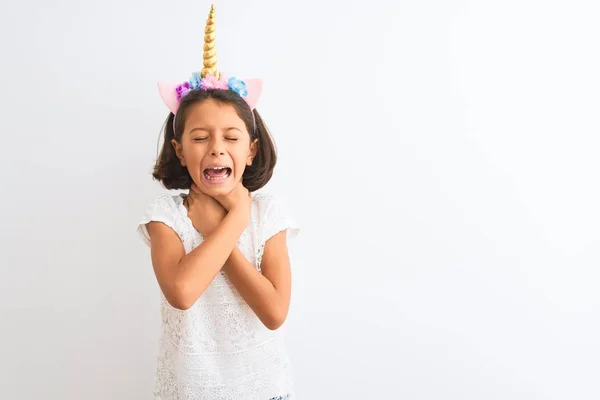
(219,252)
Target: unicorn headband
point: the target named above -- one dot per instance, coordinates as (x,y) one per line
(210,78)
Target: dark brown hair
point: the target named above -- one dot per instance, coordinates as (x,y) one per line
(168,169)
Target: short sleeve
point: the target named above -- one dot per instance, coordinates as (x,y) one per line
(164,209)
(274,217)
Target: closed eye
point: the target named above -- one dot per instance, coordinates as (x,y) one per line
(233,139)
(200,139)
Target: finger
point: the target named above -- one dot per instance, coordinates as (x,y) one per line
(218,204)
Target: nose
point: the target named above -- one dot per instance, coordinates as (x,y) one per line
(216,148)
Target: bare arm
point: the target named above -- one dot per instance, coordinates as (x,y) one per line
(184,277)
(267,294)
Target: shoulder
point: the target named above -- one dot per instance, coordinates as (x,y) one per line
(268,205)
(166,202)
(273,215)
(165,208)
(264,200)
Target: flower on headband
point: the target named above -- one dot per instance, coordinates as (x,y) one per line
(211,82)
(195,80)
(238,86)
(182,90)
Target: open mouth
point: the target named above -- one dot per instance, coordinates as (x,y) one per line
(216,174)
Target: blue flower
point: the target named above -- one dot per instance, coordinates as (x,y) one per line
(195,80)
(238,86)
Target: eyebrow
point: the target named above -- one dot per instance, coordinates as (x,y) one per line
(206,130)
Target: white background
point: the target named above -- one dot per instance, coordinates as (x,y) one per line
(441,157)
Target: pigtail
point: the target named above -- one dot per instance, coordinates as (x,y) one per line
(260,172)
(168,169)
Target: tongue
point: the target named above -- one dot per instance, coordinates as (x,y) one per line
(216,172)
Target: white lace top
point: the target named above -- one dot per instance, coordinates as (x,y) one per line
(218,349)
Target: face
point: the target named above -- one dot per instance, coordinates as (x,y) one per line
(215,147)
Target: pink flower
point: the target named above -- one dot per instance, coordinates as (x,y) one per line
(211,82)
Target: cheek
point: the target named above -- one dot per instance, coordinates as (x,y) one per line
(193,154)
(241,157)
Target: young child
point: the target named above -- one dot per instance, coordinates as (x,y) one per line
(219,252)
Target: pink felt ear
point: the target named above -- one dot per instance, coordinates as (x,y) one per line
(168,93)
(254,88)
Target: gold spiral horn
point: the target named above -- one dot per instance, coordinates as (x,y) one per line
(210,50)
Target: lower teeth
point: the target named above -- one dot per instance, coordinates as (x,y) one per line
(216,178)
